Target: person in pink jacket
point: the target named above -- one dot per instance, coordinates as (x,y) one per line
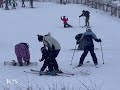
(64,19)
(22,53)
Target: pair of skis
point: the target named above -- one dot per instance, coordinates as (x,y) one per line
(85,26)
(96,66)
(32,71)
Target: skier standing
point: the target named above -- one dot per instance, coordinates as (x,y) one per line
(88,37)
(64,19)
(22,52)
(13,4)
(31,3)
(53,48)
(23,3)
(87,17)
(6,5)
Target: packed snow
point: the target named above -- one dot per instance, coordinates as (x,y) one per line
(24,24)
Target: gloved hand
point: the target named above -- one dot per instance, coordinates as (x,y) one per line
(99,40)
(40,60)
(77,42)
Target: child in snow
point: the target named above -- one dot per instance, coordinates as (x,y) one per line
(64,19)
(47,61)
(22,52)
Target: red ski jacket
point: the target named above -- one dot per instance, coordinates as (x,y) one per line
(64,20)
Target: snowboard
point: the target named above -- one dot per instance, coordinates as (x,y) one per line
(14,63)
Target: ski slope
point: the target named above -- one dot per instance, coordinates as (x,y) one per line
(23,25)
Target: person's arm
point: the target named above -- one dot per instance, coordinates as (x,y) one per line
(95,38)
(61,18)
(67,19)
(81,15)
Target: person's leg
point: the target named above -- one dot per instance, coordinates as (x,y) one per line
(87,21)
(6,5)
(20,61)
(26,55)
(45,64)
(69,25)
(85,52)
(18,55)
(65,25)
(93,56)
(50,66)
(53,58)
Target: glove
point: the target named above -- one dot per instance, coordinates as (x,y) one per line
(99,40)
(77,42)
(40,60)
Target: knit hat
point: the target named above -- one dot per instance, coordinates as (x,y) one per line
(40,37)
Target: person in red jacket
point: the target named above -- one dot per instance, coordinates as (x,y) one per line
(64,19)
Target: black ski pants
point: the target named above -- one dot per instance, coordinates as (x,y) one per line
(47,63)
(54,54)
(87,21)
(67,25)
(86,49)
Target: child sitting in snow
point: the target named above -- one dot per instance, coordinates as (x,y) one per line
(64,19)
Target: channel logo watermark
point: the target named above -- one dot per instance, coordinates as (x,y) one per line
(11,81)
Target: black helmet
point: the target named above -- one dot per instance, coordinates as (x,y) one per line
(83,10)
(40,37)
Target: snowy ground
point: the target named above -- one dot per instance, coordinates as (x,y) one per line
(23,25)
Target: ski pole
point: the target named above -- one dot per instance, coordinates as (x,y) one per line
(79,21)
(73,55)
(102,52)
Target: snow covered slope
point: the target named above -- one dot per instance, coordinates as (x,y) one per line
(23,25)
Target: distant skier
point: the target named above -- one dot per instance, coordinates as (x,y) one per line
(22,53)
(31,3)
(87,17)
(88,37)
(64,19)
(13,4)
(53,47)
(61,1)
(47,62)
(23,3)
(6,5)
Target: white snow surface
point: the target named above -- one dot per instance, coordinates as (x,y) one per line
(23,25)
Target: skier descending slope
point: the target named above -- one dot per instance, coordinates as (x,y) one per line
(88,37)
